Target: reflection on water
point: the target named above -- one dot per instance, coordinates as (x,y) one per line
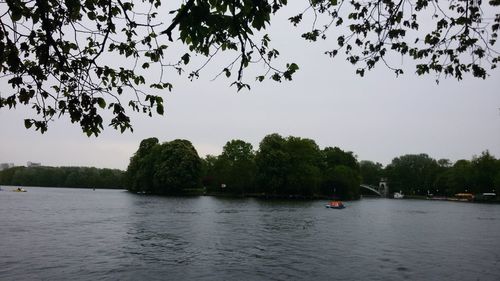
(57,234)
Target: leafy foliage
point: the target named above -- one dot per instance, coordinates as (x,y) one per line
(52,52)
(341,176)
(80,177)
(371,172)
(272,161)
(168,168)
(176,167)
(139,174)
(420,174)
(235,169)
(415,172)
(342,181)
(296,166)
(451,38)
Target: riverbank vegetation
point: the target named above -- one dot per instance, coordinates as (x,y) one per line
(165,169)
(80,177)
(283,167)
(422,175)
(295,167)
(280,167)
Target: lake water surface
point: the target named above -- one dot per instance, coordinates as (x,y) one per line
(61,234)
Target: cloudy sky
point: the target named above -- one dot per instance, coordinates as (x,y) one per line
(378,117)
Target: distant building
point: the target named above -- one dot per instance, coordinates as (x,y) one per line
(33,164)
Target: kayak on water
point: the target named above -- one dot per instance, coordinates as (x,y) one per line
(335,205)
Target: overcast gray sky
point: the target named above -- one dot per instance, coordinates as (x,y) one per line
(378,117)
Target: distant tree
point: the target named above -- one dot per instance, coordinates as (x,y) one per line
(109,177)
(52,52)
(73,178)
(341,175)
(176,167)
(304,175)
(208,178)
(297,166)
(235,167)
(342,181)
(485,168)
(139,174)
(461,176)
(81,177)
(7,175)
(370,172)
(334,156)
(496,183)
(443,183)
(444,163)
(413,174)
(272,160)
(443,177)
(207,171)
(288,166)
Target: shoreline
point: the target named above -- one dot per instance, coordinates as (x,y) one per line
(263,196)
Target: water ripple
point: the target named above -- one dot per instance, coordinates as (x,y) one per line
(60,234)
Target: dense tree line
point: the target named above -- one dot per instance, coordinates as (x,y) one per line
(168,168)
(419,174)
(281,167)
(298,167)
(290,166)
(81,177)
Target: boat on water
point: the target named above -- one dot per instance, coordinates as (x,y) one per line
(19,189)
(485,197)
(398,195)
(464,197)
(335,205)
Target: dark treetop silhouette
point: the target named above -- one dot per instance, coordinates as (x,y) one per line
(51,52)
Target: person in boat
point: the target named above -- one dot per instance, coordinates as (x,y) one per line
(19,189)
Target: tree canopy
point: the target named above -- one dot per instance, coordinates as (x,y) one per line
(80,177)
(282,167)
(371,172)
(420,174)
(52,52)
(167,168)
(234,169)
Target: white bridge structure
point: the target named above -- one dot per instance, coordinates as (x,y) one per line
(381,190)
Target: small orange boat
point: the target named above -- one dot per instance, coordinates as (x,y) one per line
(335,205)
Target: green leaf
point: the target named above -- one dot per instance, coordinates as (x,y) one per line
(91,15)
(28,123)
(185,58)
(16,14)
(159,109)
(101,102)
(293,67)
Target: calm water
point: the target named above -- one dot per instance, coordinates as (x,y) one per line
(60,234)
